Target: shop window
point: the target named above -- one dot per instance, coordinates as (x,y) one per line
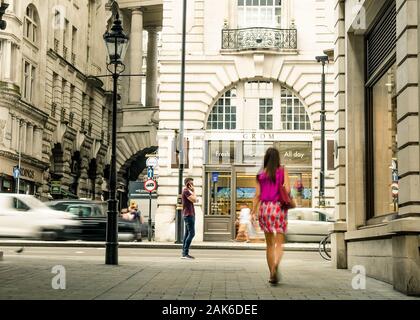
(254,151)
(259,13)
(222,152)
(382,171)
(220,194)
(7,186)
(293,113)
(223,114)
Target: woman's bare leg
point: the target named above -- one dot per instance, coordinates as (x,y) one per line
(270,253)
(279,241)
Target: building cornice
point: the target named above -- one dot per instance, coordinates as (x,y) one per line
(25,159)
(72,68)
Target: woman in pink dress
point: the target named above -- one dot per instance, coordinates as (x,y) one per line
(271,216)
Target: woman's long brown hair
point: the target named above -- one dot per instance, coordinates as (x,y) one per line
(272,162)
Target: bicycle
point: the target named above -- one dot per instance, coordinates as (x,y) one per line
(323,247)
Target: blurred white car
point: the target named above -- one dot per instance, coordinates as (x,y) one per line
(307,224)
(25,216)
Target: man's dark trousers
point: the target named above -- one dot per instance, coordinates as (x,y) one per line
(189,234)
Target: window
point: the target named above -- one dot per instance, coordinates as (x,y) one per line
(266,116)
(384,142)
(65,38)
(259,13)
(19,205)
(176,153)
(28,85)
(57,24)
(73,45)
(30,27)
(223,114)
(63,94)
(293,113)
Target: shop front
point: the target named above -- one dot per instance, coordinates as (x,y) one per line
(30,178)
(230,176)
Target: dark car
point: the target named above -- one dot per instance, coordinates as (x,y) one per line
(92,216)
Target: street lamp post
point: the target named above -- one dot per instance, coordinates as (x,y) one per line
(179,223)
(116,43)
(323,60)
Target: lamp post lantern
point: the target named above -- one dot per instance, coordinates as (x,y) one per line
(323,60)
(3,7)
(116,43)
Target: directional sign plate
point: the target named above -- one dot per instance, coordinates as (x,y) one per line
(150,172)
(16,173)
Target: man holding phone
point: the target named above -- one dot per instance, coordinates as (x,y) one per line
(188,200)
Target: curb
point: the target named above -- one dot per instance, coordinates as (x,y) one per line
(140,245)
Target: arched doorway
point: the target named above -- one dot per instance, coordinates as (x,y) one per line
(243,123)
(75,173)
(130,176)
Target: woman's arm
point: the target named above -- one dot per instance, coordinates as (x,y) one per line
(286,180)
(256,200)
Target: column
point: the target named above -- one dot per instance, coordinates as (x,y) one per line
(22,137)
(29,139)
(14,132)
(7,59)
(37,142)
(151,77)
(136,53)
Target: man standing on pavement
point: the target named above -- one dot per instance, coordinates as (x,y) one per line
(188,200)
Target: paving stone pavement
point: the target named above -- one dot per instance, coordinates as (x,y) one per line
(160,274)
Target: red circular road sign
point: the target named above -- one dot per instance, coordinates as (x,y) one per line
(150,185)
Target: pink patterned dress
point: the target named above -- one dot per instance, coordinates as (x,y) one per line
(272,217)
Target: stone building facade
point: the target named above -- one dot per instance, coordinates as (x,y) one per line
(252,81)
(377,136)
(54,112)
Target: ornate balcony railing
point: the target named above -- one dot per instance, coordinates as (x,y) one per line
(53,109)
(63,115)
(71,119)
(259,38)
(56,45)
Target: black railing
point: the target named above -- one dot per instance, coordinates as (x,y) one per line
(53,109)
(259,38)
(71,119)
(63,115)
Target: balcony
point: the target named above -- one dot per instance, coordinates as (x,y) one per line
(73,59)
(259,39)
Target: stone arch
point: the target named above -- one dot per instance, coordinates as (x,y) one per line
(131,170)
(235,83)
